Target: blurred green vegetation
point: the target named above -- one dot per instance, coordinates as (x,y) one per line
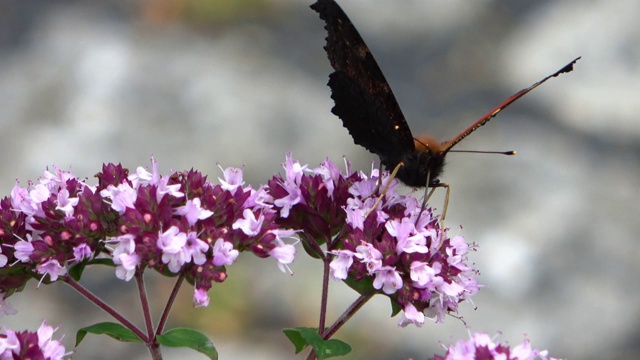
(203,13)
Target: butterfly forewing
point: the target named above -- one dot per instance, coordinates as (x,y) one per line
(363,99)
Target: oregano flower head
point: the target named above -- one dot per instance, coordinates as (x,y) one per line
(177,224)
(395,249)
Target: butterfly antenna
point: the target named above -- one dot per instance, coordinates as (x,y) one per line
(511,152)
(491,114)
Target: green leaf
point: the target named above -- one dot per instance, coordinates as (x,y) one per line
(363,287)
(296,339)
(183,337)
(101,261)
(302,337)
(14,279)
(76,271)
(113,330)
(395,307)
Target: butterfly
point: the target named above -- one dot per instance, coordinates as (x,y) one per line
(369,110)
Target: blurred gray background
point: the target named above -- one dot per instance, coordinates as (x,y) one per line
(202,82)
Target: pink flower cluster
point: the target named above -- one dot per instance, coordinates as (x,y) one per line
(31,345)
(481,346)
(395,249)
(182,224)
(174,224)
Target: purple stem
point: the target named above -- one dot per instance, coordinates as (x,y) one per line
(325,295)
(104,306)
(347,315)
(170,301)
(144,301)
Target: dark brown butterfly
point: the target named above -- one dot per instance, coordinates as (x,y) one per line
(365,103)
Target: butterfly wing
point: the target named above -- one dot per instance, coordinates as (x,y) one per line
(363,99)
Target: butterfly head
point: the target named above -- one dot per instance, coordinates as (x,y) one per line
(427,160)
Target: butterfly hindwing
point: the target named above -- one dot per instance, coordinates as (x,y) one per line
(359,112)
(363,99)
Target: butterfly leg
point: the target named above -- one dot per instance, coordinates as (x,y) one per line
(425,198)
(428,191)
(446,199)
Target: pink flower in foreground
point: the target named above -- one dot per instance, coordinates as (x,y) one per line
(387,279)
(480,346)
(51,267)
(224,253)
(250,225)
(283,252)
(232,179)
(193,211)
(122,197)
(341,264)
(31,345)
(200,298)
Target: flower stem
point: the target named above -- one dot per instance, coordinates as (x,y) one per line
(154,350)
(325,295)
(169,305)
(144,302)
(347,314)
(106,307)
